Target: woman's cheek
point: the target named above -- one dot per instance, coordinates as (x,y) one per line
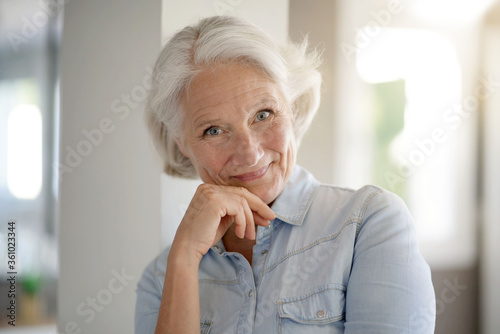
(281,136)
(204,155)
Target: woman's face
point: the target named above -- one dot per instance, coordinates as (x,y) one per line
(238,130)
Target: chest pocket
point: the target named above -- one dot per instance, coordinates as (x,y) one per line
(320,311)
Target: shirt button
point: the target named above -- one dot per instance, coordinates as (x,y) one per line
(250,293)
(264,252)
(268,226)
(321,314)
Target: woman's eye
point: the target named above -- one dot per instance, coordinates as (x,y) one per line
(262,115)
(213,131)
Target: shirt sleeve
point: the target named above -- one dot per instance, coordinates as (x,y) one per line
(390,288)
(149,293)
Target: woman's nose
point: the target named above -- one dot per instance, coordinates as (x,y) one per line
(247,149)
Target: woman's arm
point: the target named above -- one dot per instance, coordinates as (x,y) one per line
(211,212)
(180,307)
(390,288)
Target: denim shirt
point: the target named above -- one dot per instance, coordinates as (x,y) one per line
(334,260)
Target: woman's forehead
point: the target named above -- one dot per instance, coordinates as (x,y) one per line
(231,85)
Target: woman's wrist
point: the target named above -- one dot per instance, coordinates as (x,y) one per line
(182,253)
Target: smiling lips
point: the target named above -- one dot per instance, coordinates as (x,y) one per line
(253,175)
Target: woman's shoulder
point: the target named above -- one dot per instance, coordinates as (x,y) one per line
(365,204)
(367,194)
(333,192)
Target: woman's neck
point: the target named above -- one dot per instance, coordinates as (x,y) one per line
(234,244)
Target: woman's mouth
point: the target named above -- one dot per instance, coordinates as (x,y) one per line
(252,175)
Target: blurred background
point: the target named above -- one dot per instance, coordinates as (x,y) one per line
(410,102)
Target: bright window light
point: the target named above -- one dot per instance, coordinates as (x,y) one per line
(24,151)
(454,10)
(428,65)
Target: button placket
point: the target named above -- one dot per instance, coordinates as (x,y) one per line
(247,285)
(260,251)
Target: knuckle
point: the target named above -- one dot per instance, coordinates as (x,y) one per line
(242,202)
(243,191)
(204,187)
(206,190)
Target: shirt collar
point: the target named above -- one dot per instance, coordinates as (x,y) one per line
(292,204)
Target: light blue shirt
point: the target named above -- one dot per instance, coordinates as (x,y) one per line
(334,260)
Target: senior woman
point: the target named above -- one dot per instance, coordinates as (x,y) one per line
(263,247)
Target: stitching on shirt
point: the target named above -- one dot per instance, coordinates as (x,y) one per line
(300,250)
(299,299)
(360,219)
(204,322)
(315,322)
(213,281)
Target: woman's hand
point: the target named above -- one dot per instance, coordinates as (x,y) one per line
(213,210)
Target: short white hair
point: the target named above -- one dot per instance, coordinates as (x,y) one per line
(224,40)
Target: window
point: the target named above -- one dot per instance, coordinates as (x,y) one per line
(24,151)
(28,105)
(413,81)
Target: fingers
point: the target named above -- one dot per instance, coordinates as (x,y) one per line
(240,221)
(256,212)
(250,226)
(259,220)
(256,204)
(243,218)
(245,209)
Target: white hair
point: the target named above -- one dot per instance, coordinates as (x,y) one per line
(225,40)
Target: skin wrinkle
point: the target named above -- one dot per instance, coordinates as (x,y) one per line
(227,104)
(265,102)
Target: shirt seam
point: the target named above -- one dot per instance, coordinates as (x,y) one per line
(294,300)
(300,250)
(217,282)
(361,217)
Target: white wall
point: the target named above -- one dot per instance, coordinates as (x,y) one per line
(319,146)
(272,16)
(109,209)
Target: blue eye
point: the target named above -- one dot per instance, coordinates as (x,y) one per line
(262,115)
(213,131)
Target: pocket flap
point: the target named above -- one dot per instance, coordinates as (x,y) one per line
(324,305)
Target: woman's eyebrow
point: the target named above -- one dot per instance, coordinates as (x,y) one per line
(265,101)
(202,116)
(203,120)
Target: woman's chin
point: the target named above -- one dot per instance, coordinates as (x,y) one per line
(266,193)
